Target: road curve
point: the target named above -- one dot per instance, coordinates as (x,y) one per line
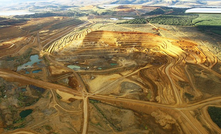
(13,76)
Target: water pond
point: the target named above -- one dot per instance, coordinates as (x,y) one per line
(23,89)
(36,71)
(33,58)
(25,113)
(74,67)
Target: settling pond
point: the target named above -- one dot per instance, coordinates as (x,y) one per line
(33,58)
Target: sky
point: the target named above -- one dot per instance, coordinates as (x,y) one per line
(9,2)
(5,3)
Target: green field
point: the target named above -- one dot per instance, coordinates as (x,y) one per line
(177,16)
(208,20)
(207,23)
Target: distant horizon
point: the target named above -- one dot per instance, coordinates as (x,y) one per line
(6,3)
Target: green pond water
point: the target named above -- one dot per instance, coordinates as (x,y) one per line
(25,113)
(74,67)
(36,71)
(23,89)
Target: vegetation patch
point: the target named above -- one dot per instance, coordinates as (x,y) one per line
(12,63)
(177,11)
(38,89)
(94,101)
(182,20)
(189,96)
(47,127)
(167,10)
(102,12)
(156,12)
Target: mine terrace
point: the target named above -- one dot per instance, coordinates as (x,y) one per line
(93,74)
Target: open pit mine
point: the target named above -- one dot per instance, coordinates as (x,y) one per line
(84,79)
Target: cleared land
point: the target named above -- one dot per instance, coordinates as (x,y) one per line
(63,75)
